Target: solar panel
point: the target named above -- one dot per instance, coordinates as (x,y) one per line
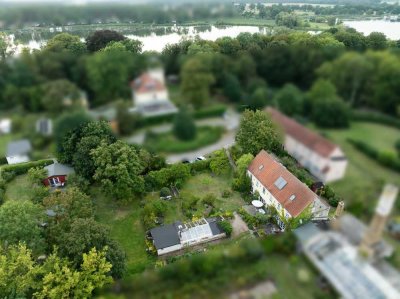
(280,183)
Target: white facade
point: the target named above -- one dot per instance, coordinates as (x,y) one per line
(327,169)
(153,97)
(319,209)
(169,249)
(5,126)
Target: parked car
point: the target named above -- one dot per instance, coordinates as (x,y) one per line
(200,158)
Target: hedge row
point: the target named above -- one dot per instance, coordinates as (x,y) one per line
(359,115)
(386,159)
(23,168)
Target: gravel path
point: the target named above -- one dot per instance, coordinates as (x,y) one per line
(238,225)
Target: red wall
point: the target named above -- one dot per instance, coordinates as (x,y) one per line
(62,179)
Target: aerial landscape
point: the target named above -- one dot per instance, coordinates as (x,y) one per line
(188,149)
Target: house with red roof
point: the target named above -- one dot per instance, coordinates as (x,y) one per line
(321,157)
(280,189)
(150,95)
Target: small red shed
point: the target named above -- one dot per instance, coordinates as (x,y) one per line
(57,174)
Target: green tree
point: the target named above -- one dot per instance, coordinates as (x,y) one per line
(127,121)
(64,125)
(85,234)
(19,222)
(196,81)
(61,281)
(258,99)
(108,74)
(243,162)
(184,126)
(65,42)
(327,109)
(60,94)
(290,20)
(256,132)
(78,144)
(377,41)
(351,74)
(289,100)
(118,168)
(231,88)
(219,163)
(5,47)
(17,271)
(101,38)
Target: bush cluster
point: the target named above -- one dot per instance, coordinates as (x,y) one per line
(226,226)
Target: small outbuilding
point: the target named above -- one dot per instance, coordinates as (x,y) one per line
(18,151)
(57,174)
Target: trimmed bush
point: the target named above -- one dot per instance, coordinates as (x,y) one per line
(226,227)
(23,168)
(216,110)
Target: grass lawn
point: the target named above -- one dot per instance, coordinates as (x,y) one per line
(126,228)
(19,188)
(364,177)
(168,143)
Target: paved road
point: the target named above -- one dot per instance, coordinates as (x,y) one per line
(230,121)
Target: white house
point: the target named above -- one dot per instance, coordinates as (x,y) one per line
(322,158)
(282,190)
(18,151)
(150,95)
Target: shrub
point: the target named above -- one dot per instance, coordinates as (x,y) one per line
(164,192)
(8,175)
(219,163)
(226,193)
(210,200)
(3,161)
(226,227)
(200,165)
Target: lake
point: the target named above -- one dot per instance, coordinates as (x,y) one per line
(157,38)
(156,43)
(390,29)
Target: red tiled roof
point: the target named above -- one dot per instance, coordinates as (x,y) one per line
(310,139)
(270,172)
(145,83)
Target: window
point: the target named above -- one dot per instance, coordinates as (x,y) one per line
(264,190)
(280,183)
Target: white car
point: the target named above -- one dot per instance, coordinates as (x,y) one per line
(200,158)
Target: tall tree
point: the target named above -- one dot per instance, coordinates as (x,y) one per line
(196,80)
(289,100)
(184,127)
(20,222)
(118,168)
(256,132)
(99,39)
(65,42)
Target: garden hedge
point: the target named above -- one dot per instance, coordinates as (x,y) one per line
(370,116)
(22,168)
(386,159)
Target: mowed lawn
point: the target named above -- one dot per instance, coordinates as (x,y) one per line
(124,222)
(364,177)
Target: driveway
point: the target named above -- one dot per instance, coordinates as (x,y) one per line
(238,225)
(230,121)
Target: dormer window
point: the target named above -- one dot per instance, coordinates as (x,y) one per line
(292,197)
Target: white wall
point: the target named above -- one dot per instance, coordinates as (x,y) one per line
(148,98)
(17,159)
(316,163)
(169,249)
